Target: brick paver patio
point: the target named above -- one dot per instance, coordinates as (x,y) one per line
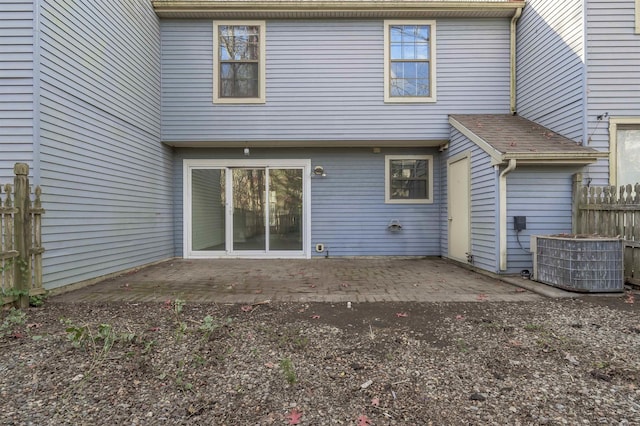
(314,280)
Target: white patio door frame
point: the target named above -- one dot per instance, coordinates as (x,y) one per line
(228,165)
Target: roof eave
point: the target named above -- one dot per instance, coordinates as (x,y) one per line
(332,8)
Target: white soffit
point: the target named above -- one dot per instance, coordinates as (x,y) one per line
(334,9)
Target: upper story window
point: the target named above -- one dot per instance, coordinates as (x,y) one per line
(239,62)
(409,179)
(409,61)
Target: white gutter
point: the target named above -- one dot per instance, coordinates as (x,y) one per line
(503,213)
(512,61)
(336,8)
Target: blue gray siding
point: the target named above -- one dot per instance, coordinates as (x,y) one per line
(543,195)
(325,82)
(16,86)
(550,65)
(484,214)
(106,177)
(613,52)
(348,212)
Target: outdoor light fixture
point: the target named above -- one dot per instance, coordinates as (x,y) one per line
(246,152)
(319,171)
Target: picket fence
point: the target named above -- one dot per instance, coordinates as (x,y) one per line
(20,240)
(611,212)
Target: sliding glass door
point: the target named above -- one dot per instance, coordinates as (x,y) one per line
(247,211)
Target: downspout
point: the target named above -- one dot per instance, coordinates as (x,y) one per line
(35,168)
(585,88)
(503,213)
(512,62)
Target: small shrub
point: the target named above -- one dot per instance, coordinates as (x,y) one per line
(289,371)
(12,320)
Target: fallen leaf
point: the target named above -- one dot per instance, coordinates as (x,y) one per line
(459,317)
(34,325)
(312,286)
(154,329)
(521,290)
(364,420)
(315,316)
(294,417)
(375,402)
(630,298)
(572,359)
(344,285)
(366,384)
(482,297)
(258,291)
(246,308)
(402,314)
(269,365)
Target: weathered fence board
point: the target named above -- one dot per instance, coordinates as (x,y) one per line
(611,212)
(20,240)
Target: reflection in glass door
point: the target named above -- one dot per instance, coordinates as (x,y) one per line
(248,188)
(208,209)
(285,209)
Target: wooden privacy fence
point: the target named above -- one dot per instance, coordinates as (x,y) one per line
(20,240)
(611,212)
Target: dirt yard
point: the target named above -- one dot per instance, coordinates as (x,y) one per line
(550,362)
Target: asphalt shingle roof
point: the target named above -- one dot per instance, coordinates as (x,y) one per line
(512,134)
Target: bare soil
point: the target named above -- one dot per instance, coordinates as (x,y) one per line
(548,362)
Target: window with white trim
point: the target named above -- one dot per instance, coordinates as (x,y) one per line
(239,62)
(624,152)
(409,61)
(409,179)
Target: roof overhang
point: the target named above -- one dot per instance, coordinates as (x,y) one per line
(580,157)
(334,9)
(417,143)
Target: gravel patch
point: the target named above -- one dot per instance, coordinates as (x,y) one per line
(550,362)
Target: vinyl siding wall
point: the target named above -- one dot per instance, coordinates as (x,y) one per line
(348,212)
(484,227)
(613,72)
(324,81)
(550,65)
(106,177)
(16,86)
(543,195)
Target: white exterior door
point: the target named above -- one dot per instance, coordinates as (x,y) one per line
(459,196)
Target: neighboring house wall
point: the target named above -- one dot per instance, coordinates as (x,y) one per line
(106,177)
(16,86)
(348,212)
(613,58)
(325,82)
(550,65)
(543,196)
(484,213)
